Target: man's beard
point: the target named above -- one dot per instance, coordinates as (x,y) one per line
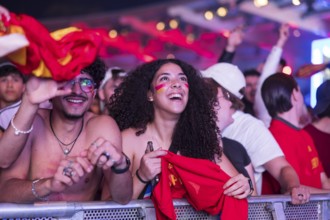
(73,117)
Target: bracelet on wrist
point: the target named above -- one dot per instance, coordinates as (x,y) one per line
(139,177)
(34,192)
(251,187)
(17,131)
(120,171)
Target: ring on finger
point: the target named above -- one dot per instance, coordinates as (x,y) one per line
(68,171)
(106,154)
(300,196)
(94,144)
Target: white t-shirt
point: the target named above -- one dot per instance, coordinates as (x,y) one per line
(257,140)
(7,113)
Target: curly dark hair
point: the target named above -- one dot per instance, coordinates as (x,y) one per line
(96,70)
(196,133)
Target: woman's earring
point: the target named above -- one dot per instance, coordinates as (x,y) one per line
(150,99)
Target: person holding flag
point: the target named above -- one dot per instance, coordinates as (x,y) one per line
(166,102)
(63,153)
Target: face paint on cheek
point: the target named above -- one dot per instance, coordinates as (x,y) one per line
(93,93)
(186,85)
(160,88)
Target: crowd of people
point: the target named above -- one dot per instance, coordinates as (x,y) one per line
(244,127)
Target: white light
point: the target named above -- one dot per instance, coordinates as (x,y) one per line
(173,24)
(296,2)
(317,58)
(287,70)
(113,33)
(160,26)
(208,15)
(326,51)
(222,12)
(260,3)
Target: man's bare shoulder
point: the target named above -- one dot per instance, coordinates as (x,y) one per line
(99,120)
(101,125)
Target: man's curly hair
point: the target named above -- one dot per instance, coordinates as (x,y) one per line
(196,133)
(96,70)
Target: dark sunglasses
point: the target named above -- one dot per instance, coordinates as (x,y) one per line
(86,85)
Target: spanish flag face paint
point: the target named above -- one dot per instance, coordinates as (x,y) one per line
(160,88)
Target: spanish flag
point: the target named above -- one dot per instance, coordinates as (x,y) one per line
(60,55)
(201,183)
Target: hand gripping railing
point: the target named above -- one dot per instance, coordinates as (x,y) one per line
(260,207)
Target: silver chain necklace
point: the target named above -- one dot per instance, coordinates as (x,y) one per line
(66,150)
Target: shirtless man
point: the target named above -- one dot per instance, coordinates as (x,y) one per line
(63,153)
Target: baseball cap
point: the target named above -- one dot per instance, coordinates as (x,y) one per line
(322,97)
(228,76)
(7,68)
(112,72)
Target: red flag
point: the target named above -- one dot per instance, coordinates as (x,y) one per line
(60,55)
(201,183)
(310,69)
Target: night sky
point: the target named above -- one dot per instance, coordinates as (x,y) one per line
(42,9)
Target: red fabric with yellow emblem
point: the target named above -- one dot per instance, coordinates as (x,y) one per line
(200,182)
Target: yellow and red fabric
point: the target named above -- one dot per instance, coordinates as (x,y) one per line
(60,55)
(201,183)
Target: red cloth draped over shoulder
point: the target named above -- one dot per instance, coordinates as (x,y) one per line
(60,55)
(200,182)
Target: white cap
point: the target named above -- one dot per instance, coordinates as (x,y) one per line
(228,76)
(110,72)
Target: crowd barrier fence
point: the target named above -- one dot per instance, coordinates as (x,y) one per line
(260,207)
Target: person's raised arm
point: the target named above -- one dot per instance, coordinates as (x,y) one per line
(270,67)
(4,13)
(235,38)
(14,138)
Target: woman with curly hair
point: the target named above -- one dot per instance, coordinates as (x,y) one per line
(165,103)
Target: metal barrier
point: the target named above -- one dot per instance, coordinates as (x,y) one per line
(261,207)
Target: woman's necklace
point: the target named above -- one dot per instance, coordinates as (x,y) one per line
(66,150)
